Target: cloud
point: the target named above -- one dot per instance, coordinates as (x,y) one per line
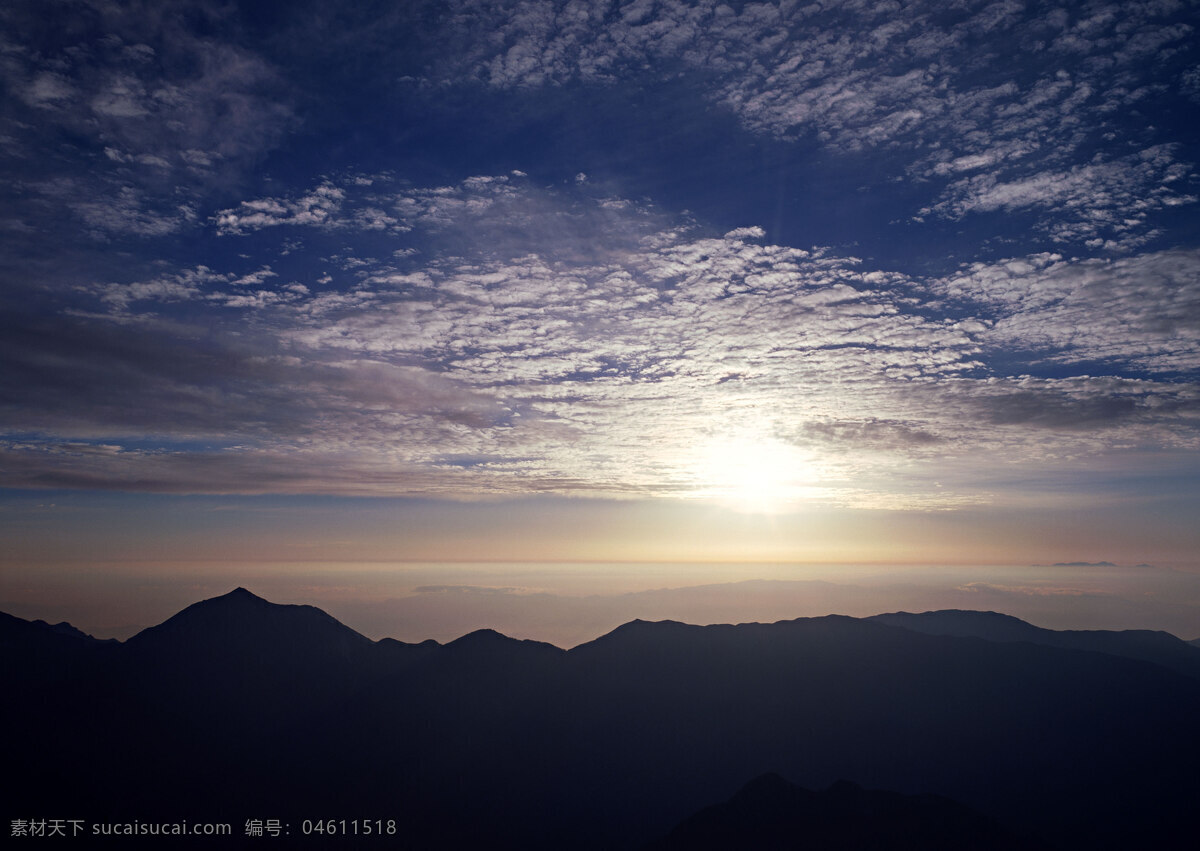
(1143,310)
(553,341)
(1059,404)
(185,285)
(316,208)
(173,110)
(992,589)
(47,90)
(782,66)
(181,110)
(937,87)
(1103,202)
(116,210)
(866,435)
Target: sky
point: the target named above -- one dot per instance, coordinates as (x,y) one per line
(550,282)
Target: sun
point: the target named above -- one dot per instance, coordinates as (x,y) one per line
(756,475)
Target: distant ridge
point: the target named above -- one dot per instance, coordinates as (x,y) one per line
(64,628)
(12,627)
(1161,648)
(31,647)
(237,707)
(992,626)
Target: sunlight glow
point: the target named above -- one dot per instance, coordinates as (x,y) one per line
(754,475)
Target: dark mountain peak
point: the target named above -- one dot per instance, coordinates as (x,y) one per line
(961,622)
(640,624)
(12,626)
(240,597)
(480,636)
(829,624)
(243,619)
(765,781)
(64,628)
(980,614)
(644,627)
(965,623)
(392,642)
(45,653)
(769,786)
(844,788)
(488,641)
(639,630)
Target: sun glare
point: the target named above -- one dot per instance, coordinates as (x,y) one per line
(754,475)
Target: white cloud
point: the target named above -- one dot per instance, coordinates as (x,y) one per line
(568,344)
(1099,200)
(746,233)
(48,89)
(168,115)
(185,285)
(255,278)
(124,210)
(319,207)
(1142,310)
(937,85)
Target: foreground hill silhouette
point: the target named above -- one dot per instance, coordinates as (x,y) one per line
(771,813)
(237,709)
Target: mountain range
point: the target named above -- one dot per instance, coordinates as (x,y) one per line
(968,729)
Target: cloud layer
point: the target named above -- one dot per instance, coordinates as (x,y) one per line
(1003,107)
(568,342)
(312,253)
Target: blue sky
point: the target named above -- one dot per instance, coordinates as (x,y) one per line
(782,259)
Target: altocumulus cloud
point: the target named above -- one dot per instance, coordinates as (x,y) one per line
(1142,310)
(386,324)
(158,111)
(910,80)
(569,342)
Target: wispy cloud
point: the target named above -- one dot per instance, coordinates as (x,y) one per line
(153,112)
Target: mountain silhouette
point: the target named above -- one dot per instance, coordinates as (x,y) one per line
(239,655)
(240,708)
(240,620)
(1151,646)
(19,630)
(30,648)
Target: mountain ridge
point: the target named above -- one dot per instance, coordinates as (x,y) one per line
(985,624)
(1155,646)
(252,705)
